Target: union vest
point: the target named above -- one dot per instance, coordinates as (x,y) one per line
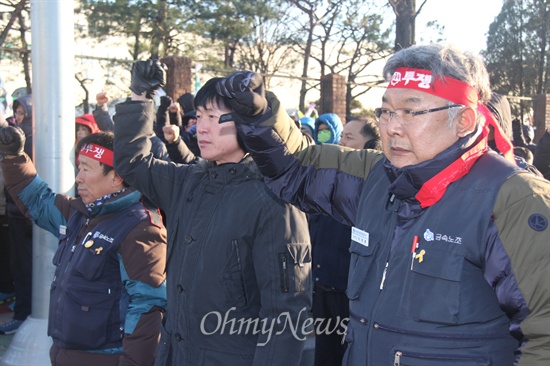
(87,295)
(427,305)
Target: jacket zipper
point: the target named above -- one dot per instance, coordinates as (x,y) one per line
(451,337)
(390,236)
(384,275)
(68,268)
(284,272)
(397,358)
(399,354)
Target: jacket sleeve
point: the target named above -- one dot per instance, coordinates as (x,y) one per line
(33,195)
(282,260)
(521,212)
(180,153)
(143,261)
(324,179)
(161,120)
(103,118)
(158,148)
(175,118)
(134,162)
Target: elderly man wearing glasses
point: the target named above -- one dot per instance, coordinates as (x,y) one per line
(449,245)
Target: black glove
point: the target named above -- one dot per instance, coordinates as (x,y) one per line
(12,141)
(165,103)
(245,93)
(148,76)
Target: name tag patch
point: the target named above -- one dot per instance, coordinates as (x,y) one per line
(360,236)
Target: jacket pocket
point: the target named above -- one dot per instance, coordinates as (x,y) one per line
(233,277)
(435,286)
(361,259)
(437,358)
(296,268)
(92,260)
(91,317)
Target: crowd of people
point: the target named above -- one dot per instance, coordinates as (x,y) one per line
(219,229)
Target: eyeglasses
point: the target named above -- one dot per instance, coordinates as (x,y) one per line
(405,115)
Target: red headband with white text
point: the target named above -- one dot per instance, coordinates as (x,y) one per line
(99,153)
(455,91)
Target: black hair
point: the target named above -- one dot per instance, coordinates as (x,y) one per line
(208,94)
(371,132)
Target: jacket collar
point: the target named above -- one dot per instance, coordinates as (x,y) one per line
(439,172)
(114,204)
(246,169)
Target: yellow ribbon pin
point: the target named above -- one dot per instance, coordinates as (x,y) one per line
(98,250)
(420,256)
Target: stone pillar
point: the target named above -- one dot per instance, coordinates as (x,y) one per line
(179,77)
(333,95)
(541,114)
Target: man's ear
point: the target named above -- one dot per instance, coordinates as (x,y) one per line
(117,180)
(466,122)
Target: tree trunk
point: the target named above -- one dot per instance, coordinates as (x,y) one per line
(543,13)
(25,54)
(307,53)
(405,18)
(405,11)
(159,26)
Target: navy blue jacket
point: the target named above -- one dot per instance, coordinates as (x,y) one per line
(478,304)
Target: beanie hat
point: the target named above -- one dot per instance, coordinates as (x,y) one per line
(88,120)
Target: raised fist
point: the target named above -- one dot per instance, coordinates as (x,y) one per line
(101,98)
(171,133)
(147,77)
(245,93)
(12,141)
(165,102)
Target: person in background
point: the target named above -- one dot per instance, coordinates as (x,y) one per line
(541,158)
(101,112)
(449,240)
(6,281)
(328,129)
(307,126)
(234,250)
(361,134)
(525,154)
(189,132)
(330,242)
(85,125)
(20,229)
(523,134)
(500,110)
(186,102)
(108,291)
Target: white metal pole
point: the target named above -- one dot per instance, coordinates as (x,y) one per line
(52,55)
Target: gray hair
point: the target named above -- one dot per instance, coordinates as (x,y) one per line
(444,60)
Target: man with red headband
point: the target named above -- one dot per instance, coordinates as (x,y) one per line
(109,285)
(450,241)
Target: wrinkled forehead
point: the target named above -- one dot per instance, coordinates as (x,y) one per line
(408,97)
